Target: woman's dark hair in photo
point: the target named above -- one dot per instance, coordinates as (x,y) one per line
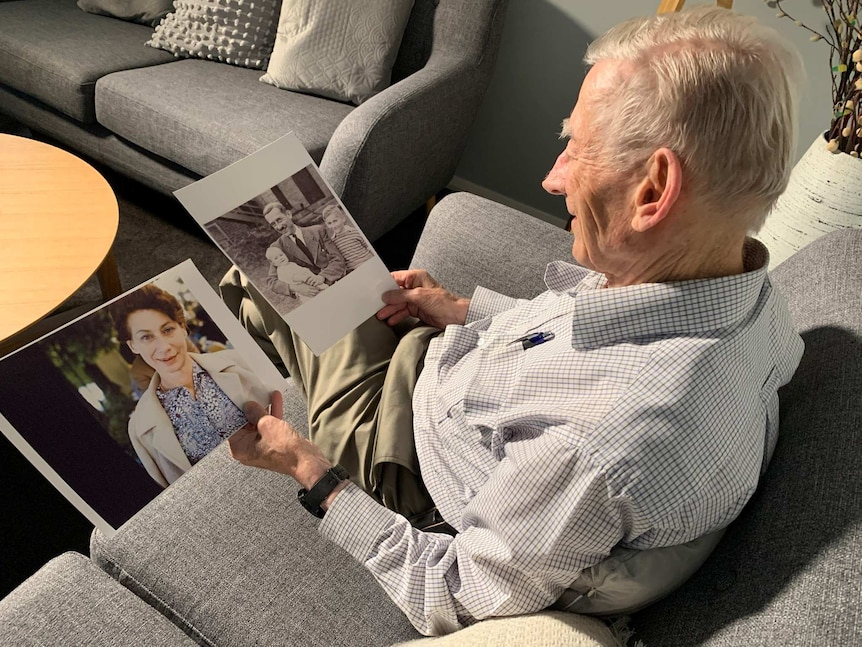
(149,297)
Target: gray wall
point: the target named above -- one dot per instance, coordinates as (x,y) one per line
(538,75)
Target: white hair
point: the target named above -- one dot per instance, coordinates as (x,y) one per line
(717,88)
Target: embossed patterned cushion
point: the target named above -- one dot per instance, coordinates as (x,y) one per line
(238,32)
(335,49)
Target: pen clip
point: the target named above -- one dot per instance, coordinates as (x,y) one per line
(534,339)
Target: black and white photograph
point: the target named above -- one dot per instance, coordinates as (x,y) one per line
(142,388)
(273,214)
(293,241)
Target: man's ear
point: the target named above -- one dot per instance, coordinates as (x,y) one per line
(131,346)
(658,191)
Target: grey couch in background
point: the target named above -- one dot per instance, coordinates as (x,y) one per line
(218,552)
(89,82)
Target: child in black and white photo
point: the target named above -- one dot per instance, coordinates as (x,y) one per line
(347,239)
(301,280)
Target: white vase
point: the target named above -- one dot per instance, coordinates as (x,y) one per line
(824,194)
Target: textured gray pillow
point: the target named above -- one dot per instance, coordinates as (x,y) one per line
(340,50)
(146,12)
(238,32)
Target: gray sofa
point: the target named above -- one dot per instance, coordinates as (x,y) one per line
(214,555)
(90,83)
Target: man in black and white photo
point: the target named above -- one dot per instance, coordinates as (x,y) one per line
(309,247)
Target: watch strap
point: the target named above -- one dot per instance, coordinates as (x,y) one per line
(312,498)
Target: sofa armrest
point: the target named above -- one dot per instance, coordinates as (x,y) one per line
(470,241)
(70,601)
(402,146)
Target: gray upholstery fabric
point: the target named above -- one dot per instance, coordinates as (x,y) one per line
(229,554)
(145,12)
(787,571)
(100,144)
(180,111)
(470,241)
(70,602)
(402,146)
(57,58)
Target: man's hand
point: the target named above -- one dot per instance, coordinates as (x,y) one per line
(270,443)
(421,296)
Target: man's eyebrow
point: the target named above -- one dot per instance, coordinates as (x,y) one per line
(564,129)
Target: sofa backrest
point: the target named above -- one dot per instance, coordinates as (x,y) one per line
(469,241)
(787,570)
(459,28)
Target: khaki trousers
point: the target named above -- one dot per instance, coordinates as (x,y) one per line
(359,394)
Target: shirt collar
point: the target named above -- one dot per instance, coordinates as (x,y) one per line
(603,317)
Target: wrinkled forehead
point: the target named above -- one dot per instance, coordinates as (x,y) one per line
(597,92)
(277,213)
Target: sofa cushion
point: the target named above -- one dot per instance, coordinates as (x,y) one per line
(54,52)
(145,12)
(70,602)
(341,50)
(555,628)
(236,32)
(204,115)
(228,553)
(787,570)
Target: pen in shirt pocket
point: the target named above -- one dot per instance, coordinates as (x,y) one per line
(534,339)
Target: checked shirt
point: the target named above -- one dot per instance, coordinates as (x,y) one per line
(646,421)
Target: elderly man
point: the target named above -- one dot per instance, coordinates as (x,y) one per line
(309,247)
(627,413)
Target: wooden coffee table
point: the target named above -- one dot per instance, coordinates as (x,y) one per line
(58,220)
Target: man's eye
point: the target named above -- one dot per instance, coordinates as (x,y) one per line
(146,337)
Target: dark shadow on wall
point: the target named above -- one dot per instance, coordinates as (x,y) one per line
(768,563)
(534,87)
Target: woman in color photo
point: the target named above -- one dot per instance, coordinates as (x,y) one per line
(194,400)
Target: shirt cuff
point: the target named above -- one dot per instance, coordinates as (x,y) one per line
(487,303)
(355,521)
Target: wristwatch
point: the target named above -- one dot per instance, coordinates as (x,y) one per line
(311,499)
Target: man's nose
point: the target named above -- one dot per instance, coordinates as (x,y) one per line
(555,182)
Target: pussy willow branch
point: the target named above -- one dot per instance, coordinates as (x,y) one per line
(844,36)
(784,14)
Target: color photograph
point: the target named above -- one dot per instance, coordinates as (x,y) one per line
(142,388)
